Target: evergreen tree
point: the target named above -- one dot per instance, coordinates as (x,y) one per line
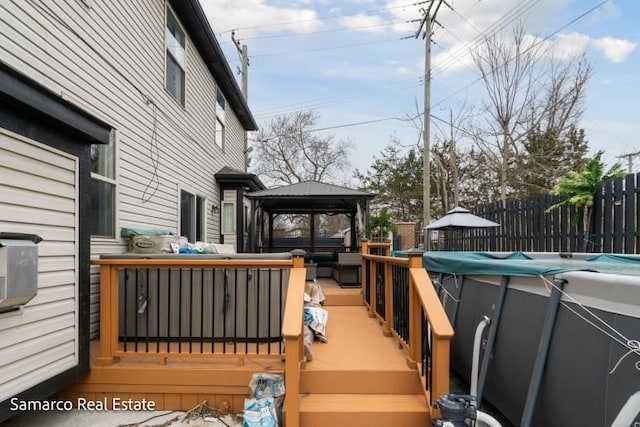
(396,179)
(548,156)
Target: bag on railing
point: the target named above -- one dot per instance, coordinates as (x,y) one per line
(264,408)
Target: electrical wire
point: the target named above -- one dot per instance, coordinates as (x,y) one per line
(305,51)
(311,33)
(324,18)
(146,99)
(533,45)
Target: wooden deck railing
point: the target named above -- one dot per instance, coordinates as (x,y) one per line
(400,294)
(195,308)
(292,332)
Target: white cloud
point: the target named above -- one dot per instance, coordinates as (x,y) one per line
(249,15)
(364,22)
(616,50)
(568,46)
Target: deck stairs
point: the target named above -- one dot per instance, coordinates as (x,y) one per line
(360,377)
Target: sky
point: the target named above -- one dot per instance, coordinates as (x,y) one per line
(360,67)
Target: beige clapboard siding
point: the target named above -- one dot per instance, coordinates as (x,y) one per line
(23,367)
(41,340)
(44,347)
(130,61)
(36,313)
(24,333)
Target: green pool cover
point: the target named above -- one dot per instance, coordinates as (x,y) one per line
(524,264)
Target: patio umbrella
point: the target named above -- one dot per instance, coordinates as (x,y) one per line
(459,218)
(456,221)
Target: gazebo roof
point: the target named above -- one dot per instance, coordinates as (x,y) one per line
(310,197)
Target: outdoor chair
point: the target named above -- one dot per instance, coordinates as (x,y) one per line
(347,270)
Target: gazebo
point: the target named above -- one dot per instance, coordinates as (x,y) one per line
(310,198)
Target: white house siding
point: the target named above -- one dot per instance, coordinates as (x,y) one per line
(109,59)
(39,195)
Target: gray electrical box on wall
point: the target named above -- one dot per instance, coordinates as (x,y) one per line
(18,269)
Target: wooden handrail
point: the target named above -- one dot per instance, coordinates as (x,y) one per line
(109,292)
(440,325)
(422,301)
(192,262)
(441,330)
(292,332)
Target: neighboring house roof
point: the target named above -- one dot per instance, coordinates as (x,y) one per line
(195,21)
(310,196)
(233,177)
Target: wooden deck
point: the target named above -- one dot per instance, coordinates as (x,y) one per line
(359,370)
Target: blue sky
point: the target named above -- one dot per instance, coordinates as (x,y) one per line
(354,61)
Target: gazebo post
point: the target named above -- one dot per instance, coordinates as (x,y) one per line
(312,232)
(270,232)
(352,231)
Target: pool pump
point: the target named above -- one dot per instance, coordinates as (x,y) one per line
(456,410)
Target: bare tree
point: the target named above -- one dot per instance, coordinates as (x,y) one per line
(288,151)
(506,67)
(527,92)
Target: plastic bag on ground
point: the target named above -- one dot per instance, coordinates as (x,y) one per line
(264,408)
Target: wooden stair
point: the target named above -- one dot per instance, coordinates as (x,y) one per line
(360,377)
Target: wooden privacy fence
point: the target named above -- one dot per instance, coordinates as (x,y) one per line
(527,225)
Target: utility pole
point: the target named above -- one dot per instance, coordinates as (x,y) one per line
(244,71)
(427,23)
(629,158)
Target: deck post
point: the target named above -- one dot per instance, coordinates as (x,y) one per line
(415,312)
(298,262)
(364,250)
(370,272)
(294,339)
(388,299)
(108,315)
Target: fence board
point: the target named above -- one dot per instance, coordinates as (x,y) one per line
(525,224)
(629,213)
(618,216)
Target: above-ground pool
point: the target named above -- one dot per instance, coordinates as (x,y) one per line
(564,332)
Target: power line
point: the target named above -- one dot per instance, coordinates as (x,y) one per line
(514,13)
(533,45)
(335,30)
(298,52)
(323,18)
(629,158)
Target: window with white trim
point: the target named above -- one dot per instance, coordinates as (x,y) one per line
(220,122)
(175,57)
(228,218)
(103,189)
(193,216)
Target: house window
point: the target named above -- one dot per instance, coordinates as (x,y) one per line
(193,216)
(220,105)
(176,58)
(228,218)
(103,189)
